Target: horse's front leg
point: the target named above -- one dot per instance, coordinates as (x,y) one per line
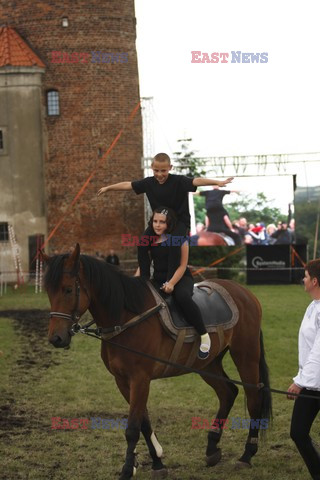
(139,392)
(158,469)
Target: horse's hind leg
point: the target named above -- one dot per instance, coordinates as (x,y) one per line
(254,407)
(253,369)
(227,393)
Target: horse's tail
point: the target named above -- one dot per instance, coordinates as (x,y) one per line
(266,405)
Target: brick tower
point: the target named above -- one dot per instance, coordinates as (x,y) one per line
(89,87)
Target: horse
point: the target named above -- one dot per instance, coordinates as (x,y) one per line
(76,283)
(210,239)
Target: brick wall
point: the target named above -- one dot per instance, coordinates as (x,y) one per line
(95,101)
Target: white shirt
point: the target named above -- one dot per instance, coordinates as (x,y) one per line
(309,348)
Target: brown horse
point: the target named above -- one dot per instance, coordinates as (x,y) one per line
(209,239)
(77,282)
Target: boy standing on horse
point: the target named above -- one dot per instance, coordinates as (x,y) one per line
(167,189)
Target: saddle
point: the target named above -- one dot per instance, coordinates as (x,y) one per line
(218,309)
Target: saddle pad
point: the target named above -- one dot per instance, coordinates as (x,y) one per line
(216,304)
(229,240)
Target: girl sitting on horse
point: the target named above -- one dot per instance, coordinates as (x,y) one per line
(172,278)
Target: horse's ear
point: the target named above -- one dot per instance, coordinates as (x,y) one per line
(74,257)
(43,257)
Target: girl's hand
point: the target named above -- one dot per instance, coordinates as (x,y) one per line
(167,287)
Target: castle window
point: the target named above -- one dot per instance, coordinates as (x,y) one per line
(1,140)
(53,102)
(4,233)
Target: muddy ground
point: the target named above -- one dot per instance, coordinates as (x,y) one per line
(33,359)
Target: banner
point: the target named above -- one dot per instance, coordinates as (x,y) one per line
(268,264)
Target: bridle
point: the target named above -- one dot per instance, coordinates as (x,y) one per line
(75,315)
(101,333)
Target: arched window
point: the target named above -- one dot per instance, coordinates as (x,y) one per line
(53,102)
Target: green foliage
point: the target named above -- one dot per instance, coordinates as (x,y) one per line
(254,209)
(204,256)
(186,163)
(306,221)
(200,209)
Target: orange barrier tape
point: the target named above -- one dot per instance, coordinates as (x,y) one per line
(295,254)
(86,183)
(219,260)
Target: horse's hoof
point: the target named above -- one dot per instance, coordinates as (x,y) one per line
(162,473)
(127,476)
(215,458)
(241,465)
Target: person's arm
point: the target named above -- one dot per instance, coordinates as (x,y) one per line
(204,182)
(122,186)
(168,287)
(137,272)
(309,375)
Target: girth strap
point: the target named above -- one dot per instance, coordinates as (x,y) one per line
(176,350)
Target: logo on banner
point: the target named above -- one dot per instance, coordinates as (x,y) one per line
(258,262)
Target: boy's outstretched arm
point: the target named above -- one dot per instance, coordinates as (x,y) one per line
(204,182)
(122,186)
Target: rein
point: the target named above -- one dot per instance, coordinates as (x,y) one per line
(179,366)
(110,332)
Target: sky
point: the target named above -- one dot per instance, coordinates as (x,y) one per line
(232,108)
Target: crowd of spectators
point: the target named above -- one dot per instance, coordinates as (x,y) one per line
(261,234)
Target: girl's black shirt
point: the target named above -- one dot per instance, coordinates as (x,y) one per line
(160,254)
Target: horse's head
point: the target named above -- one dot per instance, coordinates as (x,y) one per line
(68,295)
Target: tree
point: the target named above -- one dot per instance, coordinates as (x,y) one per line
(306,221)
(186,161)
(255,209)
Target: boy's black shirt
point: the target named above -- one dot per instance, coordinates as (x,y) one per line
(173,194)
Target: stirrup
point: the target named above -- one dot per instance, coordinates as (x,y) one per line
(203,355)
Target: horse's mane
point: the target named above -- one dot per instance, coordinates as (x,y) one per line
(114,289)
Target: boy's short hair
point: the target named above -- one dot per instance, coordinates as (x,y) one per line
(313,268)
(169,213)
(161,157)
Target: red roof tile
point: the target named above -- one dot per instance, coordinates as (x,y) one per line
(15,52)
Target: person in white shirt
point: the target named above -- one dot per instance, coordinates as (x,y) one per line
(307,381)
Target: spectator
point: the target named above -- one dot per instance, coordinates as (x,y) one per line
(282,234)
(271,228)
(112,258)
(292,229)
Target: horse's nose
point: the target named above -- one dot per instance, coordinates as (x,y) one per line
(58,342)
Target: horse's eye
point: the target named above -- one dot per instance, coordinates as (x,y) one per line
(68,290)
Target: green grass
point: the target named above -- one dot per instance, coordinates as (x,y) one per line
(39,382)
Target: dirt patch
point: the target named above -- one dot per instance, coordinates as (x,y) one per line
(33,360)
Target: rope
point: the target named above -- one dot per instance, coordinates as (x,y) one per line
(219,260)
(178,366)
(86,183)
